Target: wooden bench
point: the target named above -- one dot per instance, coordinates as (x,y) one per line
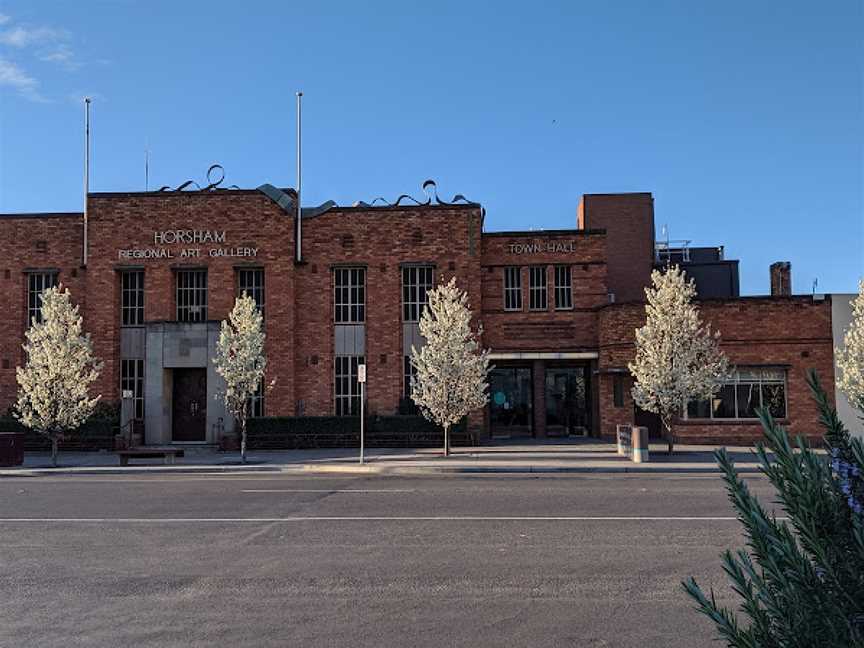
(168,454)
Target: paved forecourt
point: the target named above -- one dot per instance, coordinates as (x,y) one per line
(273,560)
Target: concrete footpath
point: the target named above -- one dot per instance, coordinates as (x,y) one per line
(568,457)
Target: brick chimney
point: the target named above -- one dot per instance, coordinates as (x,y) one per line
(781,279)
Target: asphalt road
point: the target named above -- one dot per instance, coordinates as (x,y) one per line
(270,560)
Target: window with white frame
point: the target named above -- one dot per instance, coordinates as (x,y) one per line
(191,295)
(347,388)
(513,288)
(749,389)
(349,296)
(251,282)
(132,298)
(537,298)
(417,281)
(409,374)
(563,288)
(255,404)
(132,380)
(37,283)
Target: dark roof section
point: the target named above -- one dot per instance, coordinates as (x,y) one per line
(172,194)
(44,215)
(284,198)
(403,208)
(550,232)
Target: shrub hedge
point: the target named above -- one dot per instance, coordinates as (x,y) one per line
(95,434)
(297,432)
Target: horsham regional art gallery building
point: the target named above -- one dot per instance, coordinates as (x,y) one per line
(155,272)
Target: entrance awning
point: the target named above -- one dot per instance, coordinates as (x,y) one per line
(543,355)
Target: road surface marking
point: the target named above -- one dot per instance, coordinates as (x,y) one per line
(328,490)
(416,518)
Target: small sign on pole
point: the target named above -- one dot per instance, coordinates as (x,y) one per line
(361,378)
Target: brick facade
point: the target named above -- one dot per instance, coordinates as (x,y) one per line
(589,342)
(790,332)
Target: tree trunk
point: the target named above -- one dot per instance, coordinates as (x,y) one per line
(670,436)
(243,440)
(447,440)
(54,451)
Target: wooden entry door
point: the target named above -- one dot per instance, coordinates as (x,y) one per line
(189,406)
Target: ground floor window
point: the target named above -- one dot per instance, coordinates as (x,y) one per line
(410,373)
(347,388)
(743,394)
(566,400)
(511,404)
(255,405)
(618,390)
(132,381)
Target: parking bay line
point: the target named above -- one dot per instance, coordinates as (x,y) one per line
(416,518)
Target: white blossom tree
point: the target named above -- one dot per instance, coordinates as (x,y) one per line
(54,384)
(850,357)
(677,358)
(451,367)
(240,360)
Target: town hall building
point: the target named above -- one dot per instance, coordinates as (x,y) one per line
(155,272)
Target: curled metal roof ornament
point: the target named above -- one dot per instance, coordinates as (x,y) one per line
(430,188)
(215,176)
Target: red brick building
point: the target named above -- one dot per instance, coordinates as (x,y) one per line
(559,309)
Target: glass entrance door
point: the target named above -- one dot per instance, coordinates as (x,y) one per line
(511,407)
(567,403)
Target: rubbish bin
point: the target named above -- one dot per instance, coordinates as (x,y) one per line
(11,448)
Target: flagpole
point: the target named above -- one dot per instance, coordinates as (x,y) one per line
(298,230)
(86,175)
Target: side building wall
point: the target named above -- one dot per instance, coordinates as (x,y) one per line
(791,333)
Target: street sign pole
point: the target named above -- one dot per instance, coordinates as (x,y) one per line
(361,378)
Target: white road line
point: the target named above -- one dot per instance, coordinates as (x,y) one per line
(328,490)
(162,478)
(430,518)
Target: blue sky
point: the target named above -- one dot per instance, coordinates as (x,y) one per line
(745,119)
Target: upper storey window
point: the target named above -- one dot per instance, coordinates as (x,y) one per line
(513,288)
(37,283)
(349,298)
(563,288)
(251,282)
(538,299)
(191,295)
(132,298)
(417,281)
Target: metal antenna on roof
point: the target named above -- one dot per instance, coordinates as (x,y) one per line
(298,228)
(86,175)
(147,167)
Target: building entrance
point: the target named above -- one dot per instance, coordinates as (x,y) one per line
(189,405)
(567,409)
(511,404)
